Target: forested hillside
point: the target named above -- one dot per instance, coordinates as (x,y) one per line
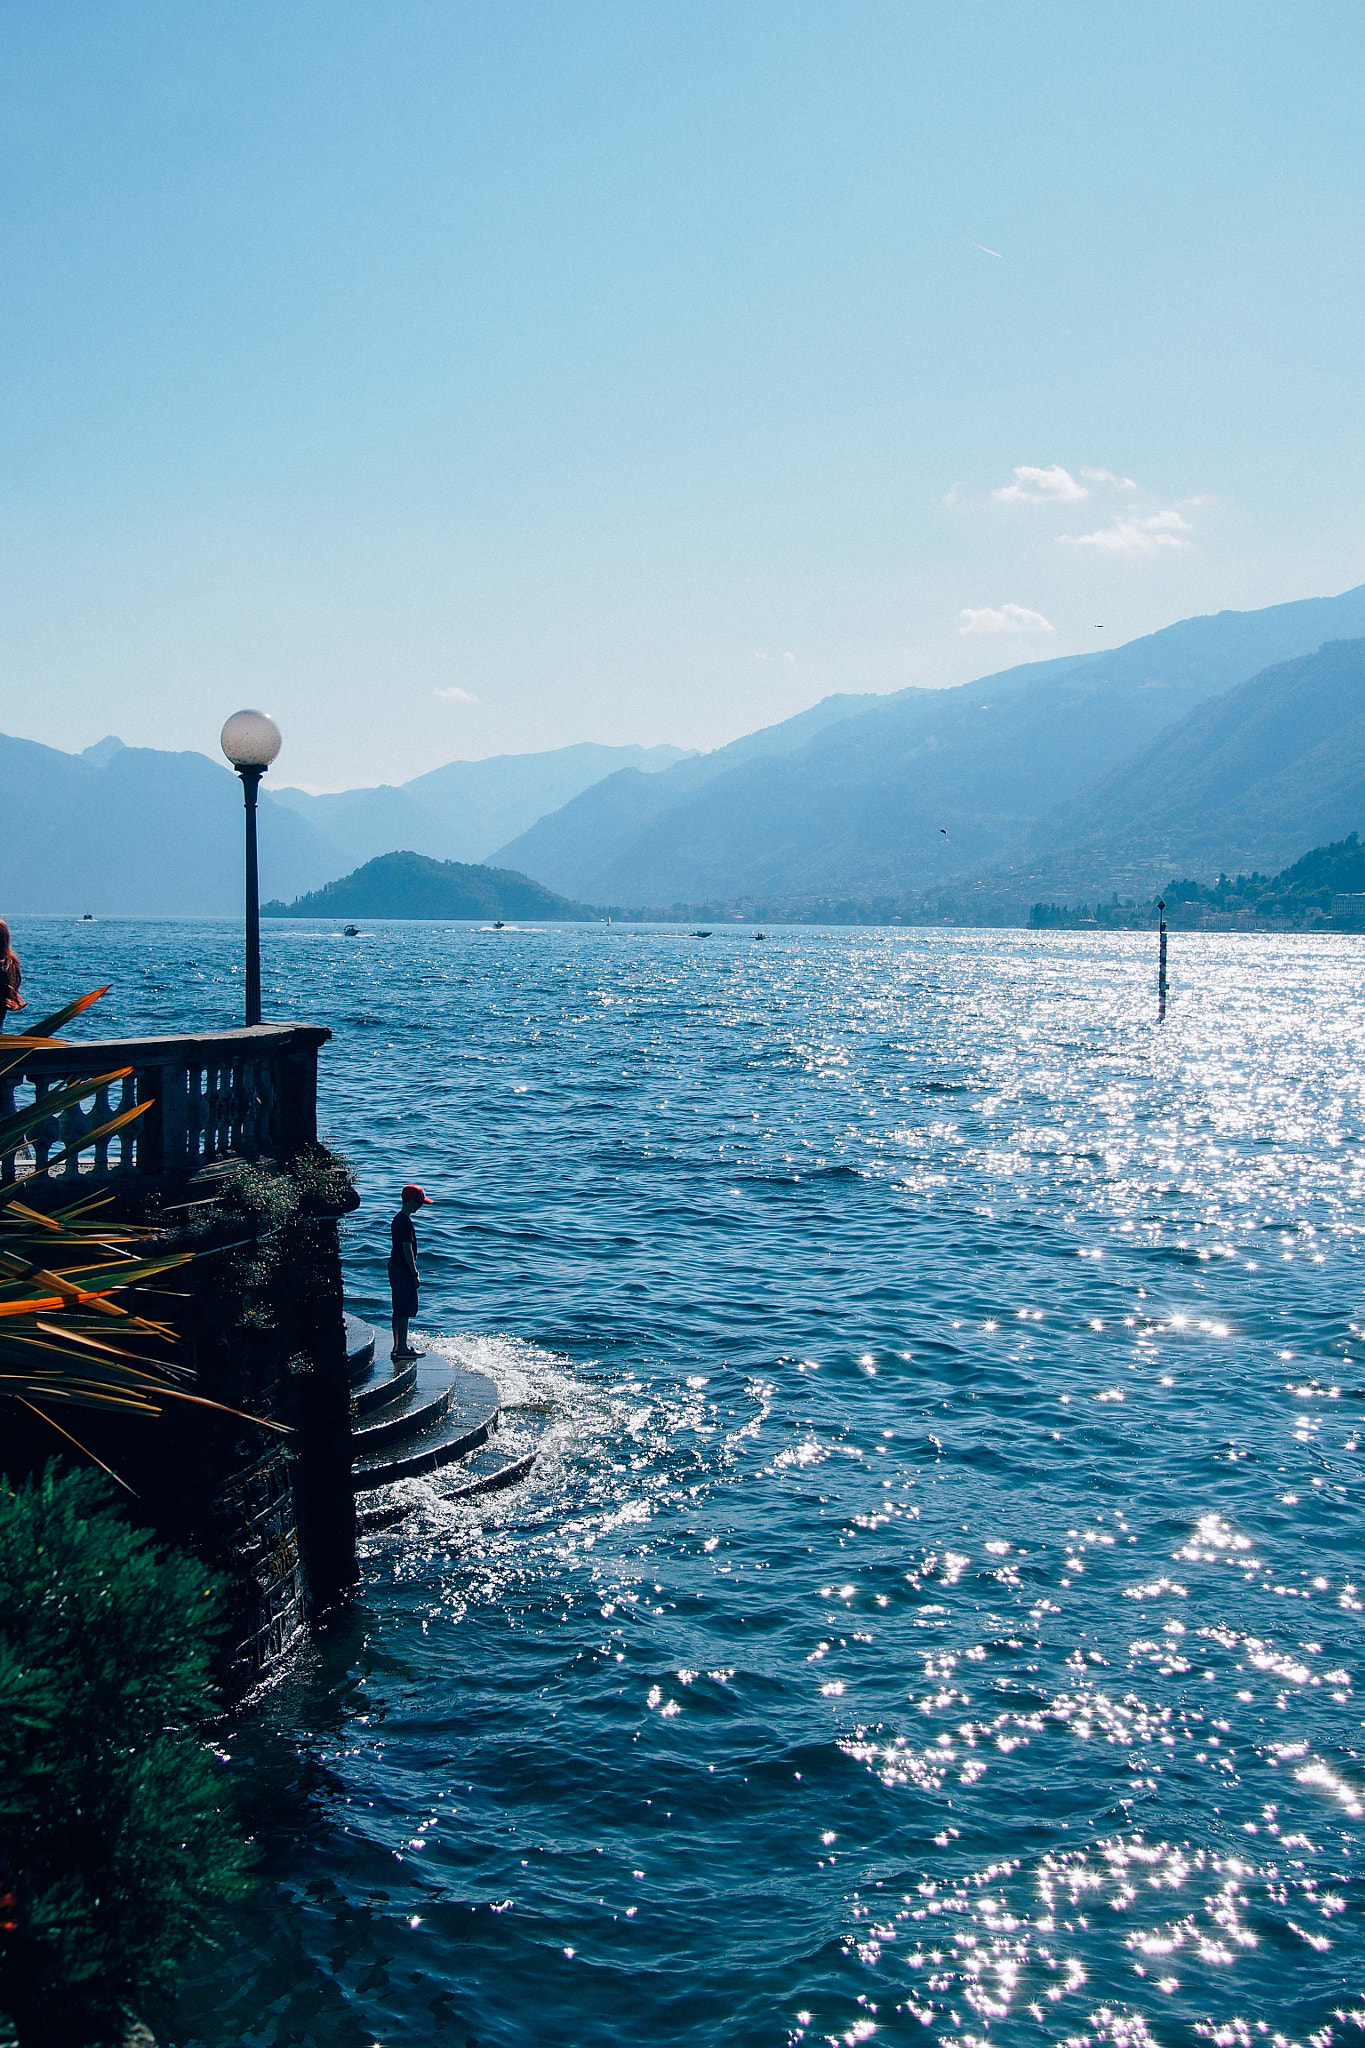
(411,885)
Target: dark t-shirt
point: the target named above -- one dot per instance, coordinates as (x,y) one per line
(403,1234)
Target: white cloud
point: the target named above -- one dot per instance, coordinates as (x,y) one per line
(1005,618)
(453,694)
(1031,486)
(1107,476)
(1135,536)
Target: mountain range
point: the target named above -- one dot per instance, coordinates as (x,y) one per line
(132,831)
(1230,740)
(889,797)
(466,809)
(1239,783)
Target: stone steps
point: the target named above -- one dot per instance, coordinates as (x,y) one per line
(360,1348)
(467,1424)
(383,1390)
(418,1396)
(488,1470)
(413,1418)
(484,1470)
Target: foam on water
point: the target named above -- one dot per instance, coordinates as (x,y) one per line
(935,1612)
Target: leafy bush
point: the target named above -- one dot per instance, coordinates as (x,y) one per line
(114,1820)
(286,1213)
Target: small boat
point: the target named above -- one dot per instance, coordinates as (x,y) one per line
(701,935)
(760,935)
(498,925)
(89,917)
(350,931)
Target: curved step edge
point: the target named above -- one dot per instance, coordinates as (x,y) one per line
(372,1519)
(493,1482)
(419,1458)
(382,1391)
(361,1341)
(414,1414)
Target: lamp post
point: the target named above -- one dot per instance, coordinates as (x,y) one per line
(251,740)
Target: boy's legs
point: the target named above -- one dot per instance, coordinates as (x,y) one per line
(400,1334)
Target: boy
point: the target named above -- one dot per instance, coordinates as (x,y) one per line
(403,1269)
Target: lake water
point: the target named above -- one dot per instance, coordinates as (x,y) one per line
(936,1612)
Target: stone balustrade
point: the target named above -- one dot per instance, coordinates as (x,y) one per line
(248,1094)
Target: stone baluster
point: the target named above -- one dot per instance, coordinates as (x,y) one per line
(228,1114)
(69,1128)
(248,1096)
(165,1146)
(8,1107)
(144,1142)
(222,1110)
(196,1116)
(101,1114)
(44,1133)
(239,1096)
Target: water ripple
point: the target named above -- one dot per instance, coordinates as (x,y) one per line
(936,1613)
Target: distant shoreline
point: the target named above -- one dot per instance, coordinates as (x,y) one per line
(721,926)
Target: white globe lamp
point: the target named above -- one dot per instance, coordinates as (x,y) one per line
(251,740)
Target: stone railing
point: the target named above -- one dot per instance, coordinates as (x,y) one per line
(249,1094)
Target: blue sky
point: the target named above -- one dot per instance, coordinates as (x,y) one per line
(459,379)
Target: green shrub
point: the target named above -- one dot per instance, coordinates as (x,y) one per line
(114,1816)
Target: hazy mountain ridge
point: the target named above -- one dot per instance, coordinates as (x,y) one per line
(131,831)
(905,792)
(627,804)
(463,810)
(1218,741)
(135,831)
(1241,782)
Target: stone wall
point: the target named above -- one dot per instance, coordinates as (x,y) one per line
(260,1485)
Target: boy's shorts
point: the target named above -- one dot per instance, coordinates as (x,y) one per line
(403,1288)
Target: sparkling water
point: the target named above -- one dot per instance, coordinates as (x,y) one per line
(936,1611)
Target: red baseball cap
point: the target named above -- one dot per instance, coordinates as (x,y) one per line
(413,1189)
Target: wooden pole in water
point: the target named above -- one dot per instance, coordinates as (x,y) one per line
(1161,965)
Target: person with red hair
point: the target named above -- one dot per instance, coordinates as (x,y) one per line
(10,976)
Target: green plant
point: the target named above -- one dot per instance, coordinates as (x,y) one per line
(114,1819)
(278,1214)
